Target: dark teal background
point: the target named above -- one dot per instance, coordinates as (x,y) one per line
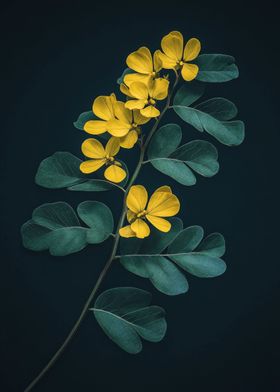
(223,335)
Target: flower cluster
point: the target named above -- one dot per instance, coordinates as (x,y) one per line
(143,85)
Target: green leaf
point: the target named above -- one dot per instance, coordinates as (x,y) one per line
(55,226)
(83,118)
(230,133)
(187,240)
(125,72)
(93,186)
(62,170)
(188,94)
(163,274)
(198,155)
(165,141)
(187,249)
(126,316)
(220,108)
(99,218)
(213,245)
(176,170)
(216,68)
(200,265)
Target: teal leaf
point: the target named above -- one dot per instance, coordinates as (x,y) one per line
(99,218)
(187,249)
(213,245)
(93,185)
(200,265)
(162,273)
(175,169)
(216,68)
(126,316)
(230,133)
(55,226)
(165,141)
(125,72)
(187,240)
(220,108)
(188,94)
(83,118)
(62,170)
(198,155)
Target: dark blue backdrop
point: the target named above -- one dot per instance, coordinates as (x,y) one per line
(223,334)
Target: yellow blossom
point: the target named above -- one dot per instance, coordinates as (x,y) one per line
(176,56)
(128,121)
(101,156)
(162,204)
(145,66)
(103,108)
(144,96)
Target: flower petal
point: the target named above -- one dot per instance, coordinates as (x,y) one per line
(135,104)
(140,228)
(189,71)
(115,173)
(125,90)
(172,45)
(160,223)
(127,232)
(122,113)
(136,77)
(163,204)
(140,61)
(137,198)
(103,107)
(192,49)
(138,118)
(112,146)
(159,88)
(118,128)
(91,165)
(95,127)
(92,148)
(150,112)
(157,61)
(139,90)
(164,188)
(129,140)
(130,216)
(166,61)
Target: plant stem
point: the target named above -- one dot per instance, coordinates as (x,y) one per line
(114,249)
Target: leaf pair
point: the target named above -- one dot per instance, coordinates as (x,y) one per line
(126,316)
(179,163)
(56,227)
(156,257)
(211,116)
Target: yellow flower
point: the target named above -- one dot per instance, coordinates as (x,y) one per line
(92,148)
(145,96)
(161,204)
(175,56)
(128,121)
(145,66)
(103,107)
